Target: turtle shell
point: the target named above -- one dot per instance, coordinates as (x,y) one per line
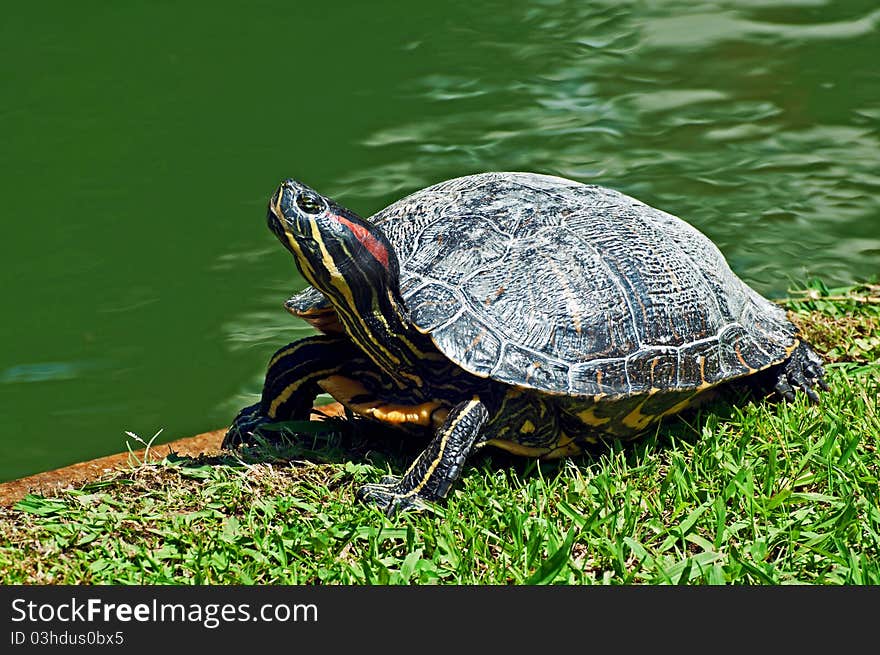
(546,283)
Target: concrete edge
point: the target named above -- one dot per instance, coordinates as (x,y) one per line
(49,483)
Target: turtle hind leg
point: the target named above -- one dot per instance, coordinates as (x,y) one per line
(802,370)
(437,468)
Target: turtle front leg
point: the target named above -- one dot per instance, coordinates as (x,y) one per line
(437,468)
(802,370)
(291,385)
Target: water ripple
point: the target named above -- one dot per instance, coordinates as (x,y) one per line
(765,137)
(43,372)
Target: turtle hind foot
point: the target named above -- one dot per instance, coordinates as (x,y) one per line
(802,370)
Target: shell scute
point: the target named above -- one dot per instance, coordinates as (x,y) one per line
(655,368)
(518,365)
(432,305)
(701,364)
(605,377)
(482,347)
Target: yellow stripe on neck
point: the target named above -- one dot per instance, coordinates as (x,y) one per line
(382,356)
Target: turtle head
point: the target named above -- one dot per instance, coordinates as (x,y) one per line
(353,264)
(335,249)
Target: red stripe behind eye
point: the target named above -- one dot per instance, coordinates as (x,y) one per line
(369,242)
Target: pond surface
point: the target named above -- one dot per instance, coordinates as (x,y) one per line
(141,141)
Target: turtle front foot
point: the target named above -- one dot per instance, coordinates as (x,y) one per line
(803,370)
(391,498)
(243,427)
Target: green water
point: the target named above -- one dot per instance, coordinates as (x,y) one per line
(140,142)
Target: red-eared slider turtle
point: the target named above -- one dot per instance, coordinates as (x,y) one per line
(523,311)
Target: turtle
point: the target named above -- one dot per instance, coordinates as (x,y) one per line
(528,312)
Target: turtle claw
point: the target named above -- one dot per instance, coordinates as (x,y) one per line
(804,371)
(387,497)
(783,388)
(812,395)
(243,427)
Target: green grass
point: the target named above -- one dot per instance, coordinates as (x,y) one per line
(753,493)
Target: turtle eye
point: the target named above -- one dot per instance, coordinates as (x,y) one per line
(310,203)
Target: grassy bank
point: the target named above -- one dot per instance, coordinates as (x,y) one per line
(757,492)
